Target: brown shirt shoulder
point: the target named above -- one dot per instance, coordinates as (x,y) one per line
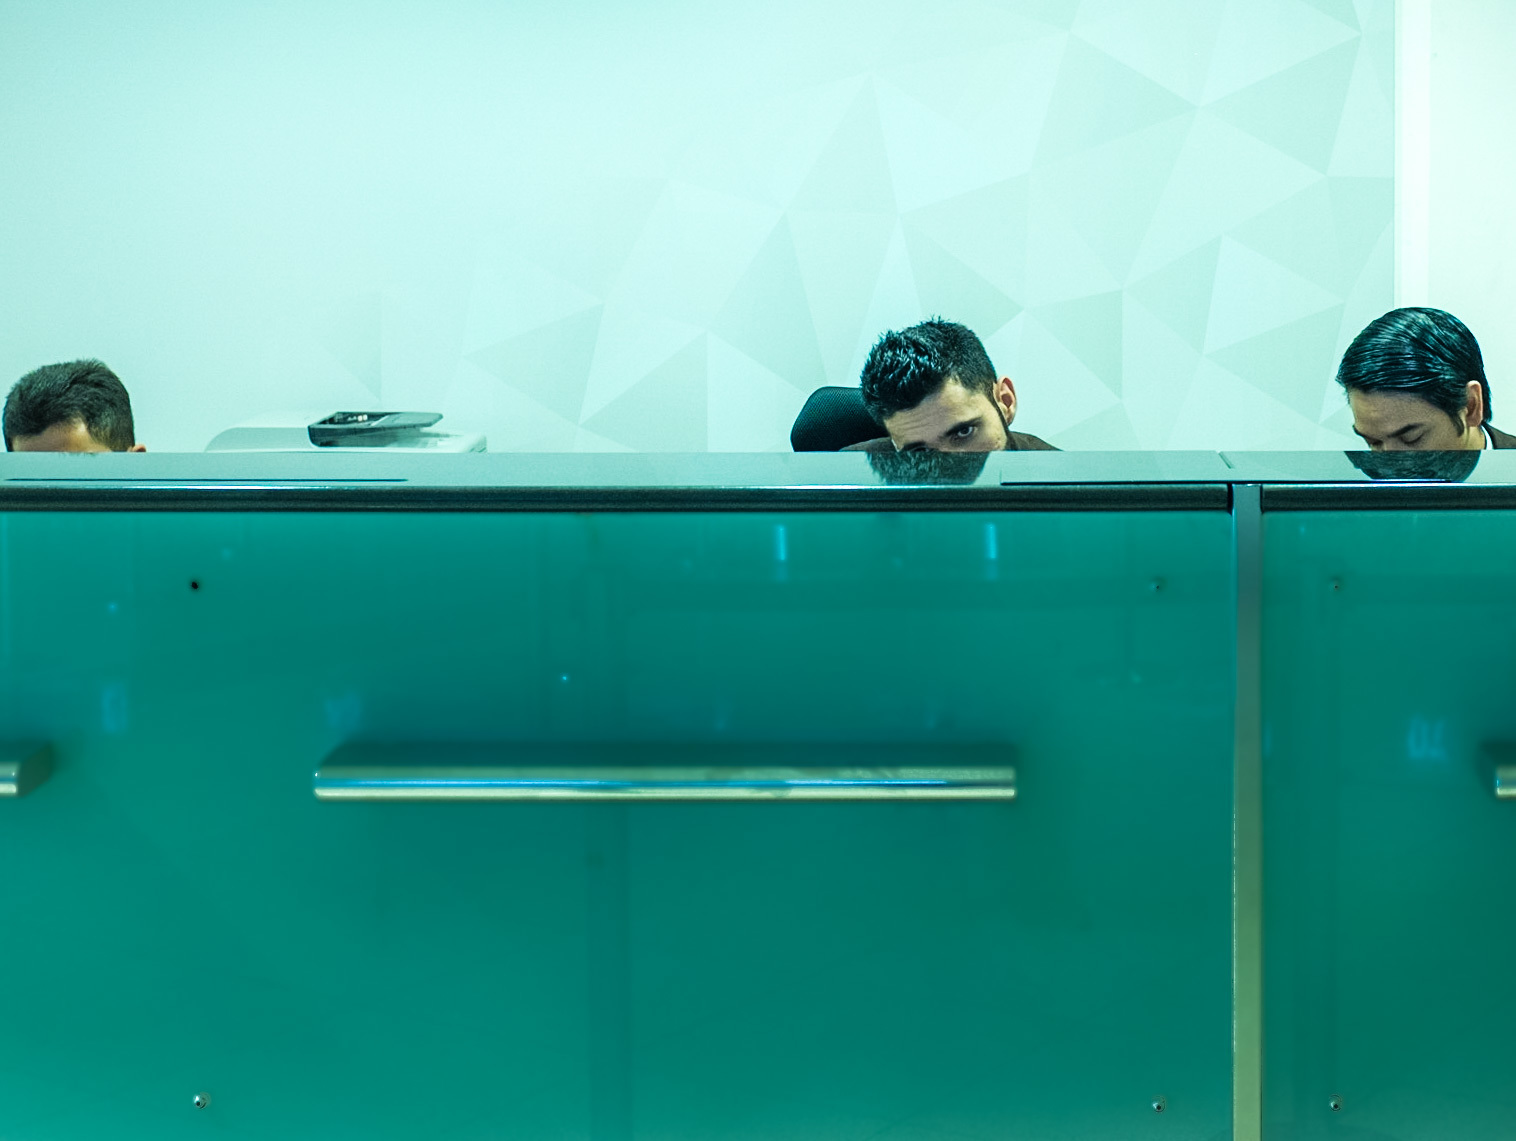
(1015,442)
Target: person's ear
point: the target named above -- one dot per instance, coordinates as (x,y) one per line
(1473,404)
(1005,396)
(137,448)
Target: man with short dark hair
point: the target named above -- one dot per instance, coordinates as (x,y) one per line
(79,406)
(1415,381)
(932,387)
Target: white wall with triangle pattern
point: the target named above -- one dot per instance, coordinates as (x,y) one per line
(658,225)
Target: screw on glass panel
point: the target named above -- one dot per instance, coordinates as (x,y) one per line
(1334,1103)
(1336,584)
(202,1100)
(1160,1104)
(1156,585)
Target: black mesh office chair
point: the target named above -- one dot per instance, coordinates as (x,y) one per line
(832,419)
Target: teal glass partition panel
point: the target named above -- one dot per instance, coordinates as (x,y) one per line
(1390,919)
(182,916)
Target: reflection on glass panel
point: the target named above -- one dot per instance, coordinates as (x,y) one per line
(1388,667)
(1448,467)
(197,921)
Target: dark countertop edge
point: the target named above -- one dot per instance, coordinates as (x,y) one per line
(410,498)
(1388,497)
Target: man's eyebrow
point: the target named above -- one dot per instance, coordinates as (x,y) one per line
(1408,428)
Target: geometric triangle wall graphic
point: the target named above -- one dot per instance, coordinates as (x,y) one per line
(1299,110)
(1255,295)
(1340,10)
(1108,430)
(917,135)
(512,295)
(1160,236)
(1260,38)
(1109,193)
(631,342)
(1301,234)
(1158,370)
(1062,262)
(1165,216)
(1181,293)
(539,230)
(1058,13)
(351,331)
(1091,329)
(750,409)
(551,363)
(666,410)
(853,172)
(893,304)
(512,421)
(1055,389)
(1293,362)
(1361,209)
(840,255)
(1222,407)
(768,316)
(584,229)
(945,285)
(1222,177)
(1366,132)
(1178,60)
(1099,98)
(986,229)
(1325,233)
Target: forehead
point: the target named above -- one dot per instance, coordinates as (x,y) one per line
(64,436)
(1388,412)
(949,405)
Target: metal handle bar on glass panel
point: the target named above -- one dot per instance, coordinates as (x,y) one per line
(724,773)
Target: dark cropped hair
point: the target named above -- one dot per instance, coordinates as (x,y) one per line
(906,367)
(1426,353)
(61,393)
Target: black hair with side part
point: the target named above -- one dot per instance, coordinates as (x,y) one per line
(86,391)
(1426,353)
(906,367)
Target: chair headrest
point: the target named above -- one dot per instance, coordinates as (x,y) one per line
(833,418)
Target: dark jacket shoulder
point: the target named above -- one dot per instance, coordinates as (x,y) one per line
(1015,442)
(1021,442)
(1500,439)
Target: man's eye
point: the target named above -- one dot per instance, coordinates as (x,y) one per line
(1413,443)
(964,432)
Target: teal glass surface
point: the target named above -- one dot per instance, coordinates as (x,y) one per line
(181,915)
(1389,913)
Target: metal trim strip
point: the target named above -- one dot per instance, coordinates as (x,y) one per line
(411,497)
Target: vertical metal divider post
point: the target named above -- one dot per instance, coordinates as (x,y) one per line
(1247,818)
